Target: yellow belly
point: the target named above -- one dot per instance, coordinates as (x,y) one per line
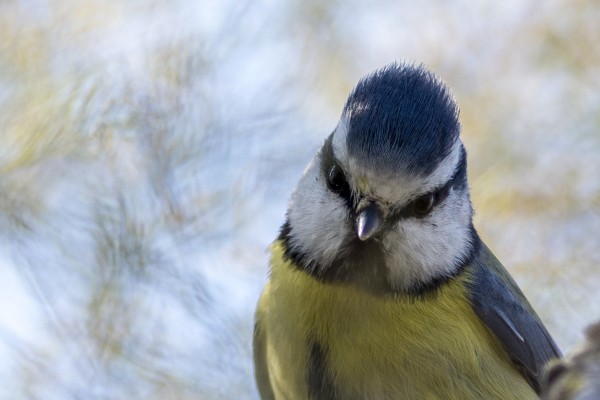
(381,347)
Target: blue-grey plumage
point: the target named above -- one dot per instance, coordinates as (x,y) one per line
(501,305)
(380,286)
(401,116)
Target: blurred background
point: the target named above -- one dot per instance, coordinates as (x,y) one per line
(148,149)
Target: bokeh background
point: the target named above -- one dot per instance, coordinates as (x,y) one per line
(148,149)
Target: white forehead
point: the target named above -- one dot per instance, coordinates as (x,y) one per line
(395,188)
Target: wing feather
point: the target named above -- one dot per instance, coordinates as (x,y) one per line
(501,305)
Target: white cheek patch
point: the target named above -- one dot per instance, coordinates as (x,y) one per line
(318,217)
(416,250)
(419,250)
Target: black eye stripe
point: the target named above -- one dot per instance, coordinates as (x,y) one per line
(439,194)
(407,211)
(336,181)
(329,162)
(333,173)
(422,205)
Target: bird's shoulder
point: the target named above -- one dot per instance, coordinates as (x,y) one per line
(502,306)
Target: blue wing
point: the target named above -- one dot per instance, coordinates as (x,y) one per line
(501,305)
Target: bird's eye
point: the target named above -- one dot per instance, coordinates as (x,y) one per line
(337,181)
(422,205)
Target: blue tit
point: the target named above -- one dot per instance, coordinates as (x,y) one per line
(380,287)
(578,376)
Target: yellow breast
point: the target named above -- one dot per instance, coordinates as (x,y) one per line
(387,347)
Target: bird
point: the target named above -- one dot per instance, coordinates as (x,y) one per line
(379,285)
(577,377)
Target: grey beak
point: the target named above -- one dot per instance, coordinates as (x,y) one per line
(368,222)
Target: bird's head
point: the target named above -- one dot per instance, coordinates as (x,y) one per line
(385,202)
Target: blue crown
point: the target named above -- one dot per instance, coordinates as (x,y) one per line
(401,117)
